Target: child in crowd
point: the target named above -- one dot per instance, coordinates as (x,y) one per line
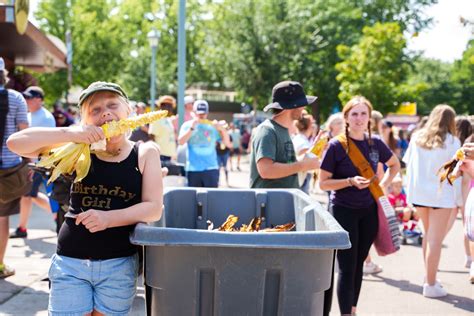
(405,213)
(95,268)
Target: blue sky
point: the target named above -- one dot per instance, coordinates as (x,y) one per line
(445,40)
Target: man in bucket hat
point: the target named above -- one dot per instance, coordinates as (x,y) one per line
(273,161)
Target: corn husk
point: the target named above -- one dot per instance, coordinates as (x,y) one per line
(253,226)
(319,146)
(450,170)
(75,158)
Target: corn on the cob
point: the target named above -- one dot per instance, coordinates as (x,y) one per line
(73,157)
(318,148)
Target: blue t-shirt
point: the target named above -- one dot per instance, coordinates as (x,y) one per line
(41,118)
(337,162)
(202,154)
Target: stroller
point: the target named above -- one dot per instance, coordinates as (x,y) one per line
(408,224)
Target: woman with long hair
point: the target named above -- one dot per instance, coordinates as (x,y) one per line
(351,202)
(428,150)
(388,136)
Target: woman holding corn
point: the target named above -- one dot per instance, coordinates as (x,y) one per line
(95,268)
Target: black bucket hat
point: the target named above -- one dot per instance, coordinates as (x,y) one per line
(287,95)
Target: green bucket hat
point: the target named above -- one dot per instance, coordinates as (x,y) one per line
(101,86)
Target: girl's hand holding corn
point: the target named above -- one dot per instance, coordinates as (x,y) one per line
(86,134)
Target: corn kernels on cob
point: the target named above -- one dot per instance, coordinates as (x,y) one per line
(73,157)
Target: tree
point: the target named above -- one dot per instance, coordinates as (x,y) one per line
(375,67)
(463,81)
(435,77)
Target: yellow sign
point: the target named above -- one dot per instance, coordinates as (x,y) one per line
(22,7)
(407,108)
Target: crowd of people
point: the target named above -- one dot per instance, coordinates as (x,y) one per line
(421,150)
(401,164)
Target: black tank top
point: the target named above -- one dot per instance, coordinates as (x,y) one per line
(108,186)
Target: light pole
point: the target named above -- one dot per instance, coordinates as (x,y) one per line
(153,37)
(181,60)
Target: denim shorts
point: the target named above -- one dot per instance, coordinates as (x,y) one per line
(79,286)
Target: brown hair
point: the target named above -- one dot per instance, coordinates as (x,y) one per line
(463,128)
(349,106)
(439,124)
(375,118)
(392,141)
(304,123)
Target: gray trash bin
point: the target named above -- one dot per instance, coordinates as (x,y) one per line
(192,271)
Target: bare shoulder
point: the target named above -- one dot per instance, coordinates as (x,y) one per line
(148,154)
(149,150)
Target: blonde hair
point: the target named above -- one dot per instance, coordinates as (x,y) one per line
(87,102)
(349,106)
(332,119)
(440,123)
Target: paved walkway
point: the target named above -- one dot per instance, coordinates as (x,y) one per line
(395,291)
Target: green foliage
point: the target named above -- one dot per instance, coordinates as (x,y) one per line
(245,45)
(375,67)
(463,81)
(434,75)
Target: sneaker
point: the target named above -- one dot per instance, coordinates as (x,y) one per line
(372,268)
(6,271)
(19,233)
(437,282)
(433,291)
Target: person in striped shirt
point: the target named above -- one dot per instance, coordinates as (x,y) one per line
(16,119)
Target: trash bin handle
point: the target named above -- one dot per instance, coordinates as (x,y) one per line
(263,211)
(199,210)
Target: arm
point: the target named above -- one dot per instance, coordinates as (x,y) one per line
(33,141)
(149,210)
(185,136)
(327,183)
(224,135)
(269,169)
(393,165)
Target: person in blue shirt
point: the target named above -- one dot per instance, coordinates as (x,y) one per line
(201,135)
(38,116)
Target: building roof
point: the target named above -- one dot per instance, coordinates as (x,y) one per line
(33,50)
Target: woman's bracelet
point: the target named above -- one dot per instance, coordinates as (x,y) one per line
(349,180)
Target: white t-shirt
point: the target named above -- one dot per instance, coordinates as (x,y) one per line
(301,142)
(423,186)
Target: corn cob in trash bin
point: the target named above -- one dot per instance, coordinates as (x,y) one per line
(74,157)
